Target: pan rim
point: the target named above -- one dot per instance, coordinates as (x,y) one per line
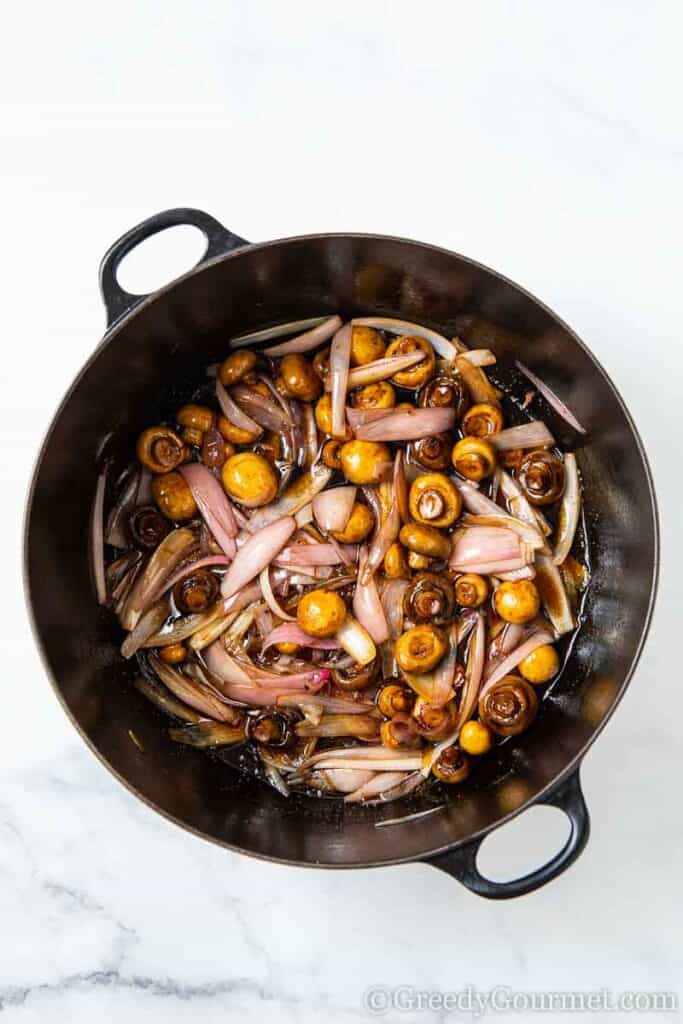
(111,333)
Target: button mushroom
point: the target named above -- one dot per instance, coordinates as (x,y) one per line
(481,420)
(355,677)
(452,766)
(173,654)
(432,452)
(323,416)
(475,738)
(445,391)
(474,458)
(541,476)
(173,497)
(236,367)
(361,521)
(249,479)
(421,648)
(331,453)
(364,462)
(197,417)
(160,450)
(395,562)
(509,706)
(414,376)
(321,613)
(430,599)
(434,500)
(298,379)
(271,729)
(541,665)
(367,345)
(517,601)
(375,396)
(393,699)
(147,527)
(471,590)
(425,540)
(196,591)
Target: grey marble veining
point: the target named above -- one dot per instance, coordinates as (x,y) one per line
(544,141)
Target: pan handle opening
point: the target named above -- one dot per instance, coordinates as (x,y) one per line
(219,241)
(461,863)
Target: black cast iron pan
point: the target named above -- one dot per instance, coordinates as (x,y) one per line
(153,347)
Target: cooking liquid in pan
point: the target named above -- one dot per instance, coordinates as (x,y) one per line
(515,404)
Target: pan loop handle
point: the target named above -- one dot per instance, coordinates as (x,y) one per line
(117,300)
(461,863)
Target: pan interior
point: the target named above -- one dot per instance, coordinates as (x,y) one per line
(149,362)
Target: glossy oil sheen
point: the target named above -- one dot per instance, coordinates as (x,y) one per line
(164,339)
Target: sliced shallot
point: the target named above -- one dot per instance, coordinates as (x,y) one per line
(469,696)
(232,412)
(214,505)
(484,544)
(392,602)
(528,435)
(526,572)
(334,705)
(551,398)
(277,331)
(553,595)
(269,596)
(317,554)
(191,692)
(358,417)
(345,780)
(374,787)
(385,535)
(97,538)
(351,754)
(407,425)
(148,624)
(262,408)
(340,353)
(115,532)
(356,641)
(361,727)
(512,660)
(223,666)
(332,509)
(479,386)
(479,356)
(292,633)
(183,628)
(367,606)
(310,435)
(528,533)
(570,510)
(258,552)
(261,696)
(436,686)
(517,502)
(400,496)
(170,553)
(396,763)
(380,369)
(310,339)
(408,783)
(441,345)
(299,494)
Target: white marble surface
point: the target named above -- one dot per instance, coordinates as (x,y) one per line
(542,139)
